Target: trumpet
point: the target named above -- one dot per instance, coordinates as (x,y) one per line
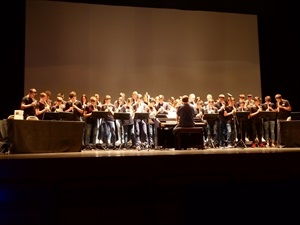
(47,106)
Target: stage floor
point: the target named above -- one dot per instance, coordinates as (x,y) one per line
(151,187)
(150,152)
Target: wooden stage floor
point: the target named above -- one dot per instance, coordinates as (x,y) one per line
(151,152)
(211,186)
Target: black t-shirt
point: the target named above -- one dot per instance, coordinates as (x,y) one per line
(186,115)
(283,114)
(30,111)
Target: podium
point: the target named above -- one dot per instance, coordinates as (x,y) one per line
(211,117)
(121,116)
(241,116)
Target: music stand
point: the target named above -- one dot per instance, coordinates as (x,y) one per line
(66,116)
(210,117)
(161,115)
(50,116)
(144,116)
(99,114)
(241,116)
(295,115)
(268,115)
(121,116)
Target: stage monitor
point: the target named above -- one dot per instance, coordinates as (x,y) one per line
(50,116)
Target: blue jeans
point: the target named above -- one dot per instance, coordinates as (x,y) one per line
(269,130)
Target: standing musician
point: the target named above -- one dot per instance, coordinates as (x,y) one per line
(229,114)
(90,131)
(221,104)
(109,123)
(212,124)
(161,106)
(284,112)
(249,102)
(28,103)
(118,105)
(73,105)
(128,124)
(152,115)
(242,123)
(269,124)
(58,105)
(140,124)
(256,123)
(42,106)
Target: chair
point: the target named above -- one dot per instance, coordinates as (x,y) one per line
(189,130)
(32,118)
(11,117)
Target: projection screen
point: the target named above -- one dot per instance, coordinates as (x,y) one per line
(93,48)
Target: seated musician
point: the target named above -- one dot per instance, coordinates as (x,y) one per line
(185,118)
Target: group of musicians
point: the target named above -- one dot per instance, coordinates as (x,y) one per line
(229,123)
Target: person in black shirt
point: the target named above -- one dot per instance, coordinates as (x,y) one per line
(74,106)
(90,131)
(284,112)
(256,123)
(269,124)
(185,118)
(28,103)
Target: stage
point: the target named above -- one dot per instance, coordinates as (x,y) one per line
(150,187)
(151,152)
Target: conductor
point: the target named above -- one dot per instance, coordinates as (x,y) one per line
(185,118)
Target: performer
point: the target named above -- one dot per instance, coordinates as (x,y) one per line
(161,106)
(269,124)
(90,131)
(152,115)
(75,106)
(28,103)
(221,104)
(109,123)
(185,118)
(229,115)
(284,112)
(42,106)
(212,132)
(58,105)
(140,124)
(256,123)
(242,123)
(128,124)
